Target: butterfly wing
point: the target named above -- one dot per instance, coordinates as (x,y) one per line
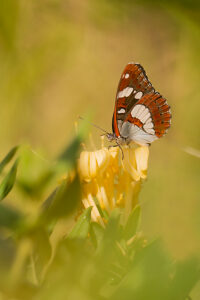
(132,86)
(141,114)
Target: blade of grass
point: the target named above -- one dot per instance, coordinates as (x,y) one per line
(81,229)
(8,182)
(8,158)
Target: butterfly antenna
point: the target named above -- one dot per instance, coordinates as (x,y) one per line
(81,118)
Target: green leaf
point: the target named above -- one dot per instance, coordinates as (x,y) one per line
(107,251)
(112,233)
(35,172)
(154,275)
(8,158)
(103,213)
(148,275)
(9,217)
(113,230)
(35,188)
(96,232)
(62,201)
(8,182)
(187,274)
(132,223)
(81,228)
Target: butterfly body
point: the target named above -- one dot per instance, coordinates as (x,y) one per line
(141,114)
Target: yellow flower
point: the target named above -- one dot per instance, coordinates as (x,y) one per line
(136,161)
(108,181)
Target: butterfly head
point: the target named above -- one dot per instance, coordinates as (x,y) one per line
(111,137)
(118,140)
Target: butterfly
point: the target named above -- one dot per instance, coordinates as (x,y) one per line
(141,114)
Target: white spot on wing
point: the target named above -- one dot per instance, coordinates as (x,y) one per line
(143,114)
(127,75)
(145,117)
(149,121)
(121,111)
(128,91)
(136,109)
(138,95)
(125,92)
(148,126)
(141,111)
(120,94)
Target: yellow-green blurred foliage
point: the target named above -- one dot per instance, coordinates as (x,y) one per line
(61,58)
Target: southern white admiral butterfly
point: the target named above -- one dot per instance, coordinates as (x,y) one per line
(141,114)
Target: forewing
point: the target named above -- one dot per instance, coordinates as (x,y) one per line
(133,85)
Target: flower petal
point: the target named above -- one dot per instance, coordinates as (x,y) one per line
(129,163)
(83,165)
(141,156)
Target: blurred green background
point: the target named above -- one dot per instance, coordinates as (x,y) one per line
(61,58)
